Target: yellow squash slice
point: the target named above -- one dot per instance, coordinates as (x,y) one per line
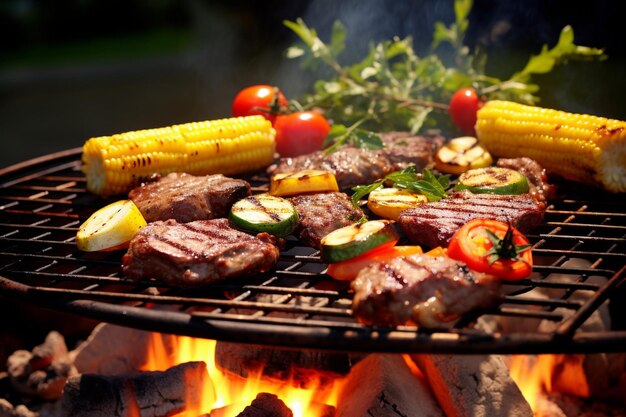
(302,182)
(111,227)
(388,203)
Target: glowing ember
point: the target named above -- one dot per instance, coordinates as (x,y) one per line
(233,391)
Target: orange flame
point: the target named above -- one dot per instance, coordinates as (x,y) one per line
(537,376)
(230,393)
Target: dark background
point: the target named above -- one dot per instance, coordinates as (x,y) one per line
(73,69)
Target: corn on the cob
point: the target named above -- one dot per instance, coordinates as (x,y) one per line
(578,147)
(115,164)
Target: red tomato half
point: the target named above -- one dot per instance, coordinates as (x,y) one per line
(347,270)
(470,244)
(258,99)
(464,105)
(300,133)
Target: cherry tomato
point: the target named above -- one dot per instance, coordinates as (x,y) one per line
(463,107)
(471,245)
(347,270)
(300,133)
(259,99)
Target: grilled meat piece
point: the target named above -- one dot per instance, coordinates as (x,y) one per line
(322,213)
(421,289)
(186,198)
(354,166)
(197,253)
(534,173)
(433,224)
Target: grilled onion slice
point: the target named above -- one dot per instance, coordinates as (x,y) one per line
(461,154)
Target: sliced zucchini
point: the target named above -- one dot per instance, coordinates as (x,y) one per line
(264,213)
(388,203)
(461,154)
(493,180)
(301,182)
(356,239)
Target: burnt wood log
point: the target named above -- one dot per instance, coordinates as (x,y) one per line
(146,394)
(301,366)
(114,350)
(41,373)
(382,385)
(473,385)
(266,405)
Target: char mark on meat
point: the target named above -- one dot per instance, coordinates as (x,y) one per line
(197,253)
(356,166)
(320,214)
(537,177)
(424,290)
(433,224)
(186,198)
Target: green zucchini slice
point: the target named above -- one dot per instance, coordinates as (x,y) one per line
(264,213)
(493,180)
(356,239)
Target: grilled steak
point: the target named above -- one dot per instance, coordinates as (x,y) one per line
(534,173)
(354,166)
(186,198)
(433,224)
(322,213)
(197,253)
(425,290)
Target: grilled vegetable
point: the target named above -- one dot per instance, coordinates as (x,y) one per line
(356,239)
(578,147)
(492,247)
(111,227)
(347,270)
(461,154)
(301,182)
(388,203)
(264,213)
(115,164)
(493,180)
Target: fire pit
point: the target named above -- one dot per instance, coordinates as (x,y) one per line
(578,250)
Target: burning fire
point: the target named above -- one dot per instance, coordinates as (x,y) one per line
(537,376)
(232,393)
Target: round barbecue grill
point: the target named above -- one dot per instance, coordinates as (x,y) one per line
(579,254)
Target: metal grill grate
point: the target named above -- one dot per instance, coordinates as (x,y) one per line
(579,253)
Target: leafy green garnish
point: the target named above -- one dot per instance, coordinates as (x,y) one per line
(432,186)
(341,135)
(361,191)
(392,88)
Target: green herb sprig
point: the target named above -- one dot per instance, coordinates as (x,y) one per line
(392,88)
(340,135)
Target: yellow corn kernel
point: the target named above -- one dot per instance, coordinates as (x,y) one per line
(115,164)
(578,147)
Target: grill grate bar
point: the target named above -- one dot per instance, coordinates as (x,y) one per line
(267,306)
(589,225)
(568,328)
(586,213)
